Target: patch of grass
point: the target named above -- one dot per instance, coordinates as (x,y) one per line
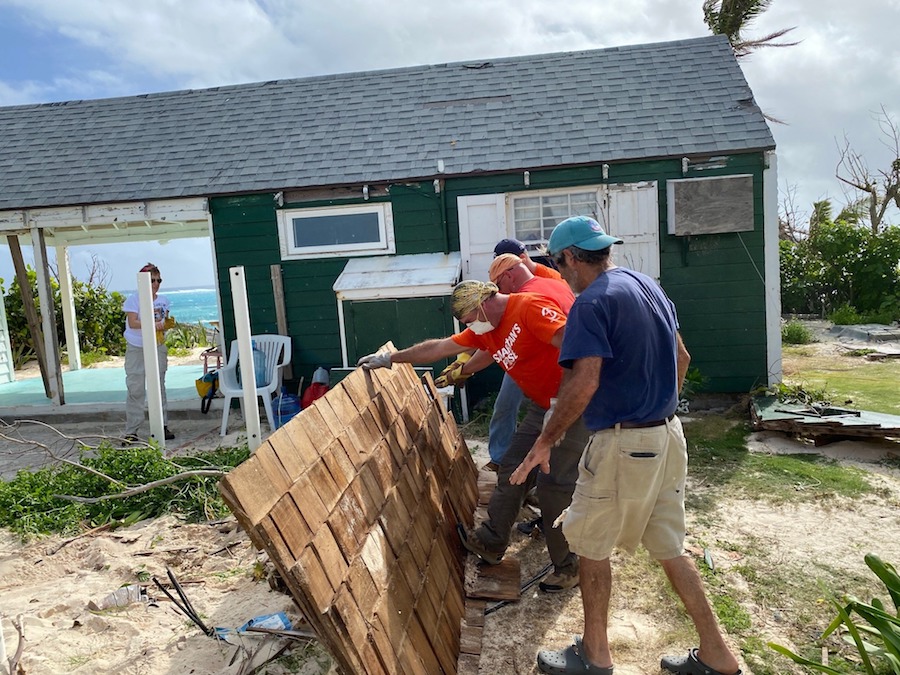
(30,503)
(718,457)
(860,352)
(867,386)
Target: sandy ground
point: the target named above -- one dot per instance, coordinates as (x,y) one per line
(50,582)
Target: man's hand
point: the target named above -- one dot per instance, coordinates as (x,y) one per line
(539,455)
(373,361)
(452,374)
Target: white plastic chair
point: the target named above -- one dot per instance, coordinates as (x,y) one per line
(277,349)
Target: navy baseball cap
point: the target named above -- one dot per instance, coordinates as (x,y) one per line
(513,246)
(580,231)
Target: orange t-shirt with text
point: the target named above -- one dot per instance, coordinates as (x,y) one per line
(520,344)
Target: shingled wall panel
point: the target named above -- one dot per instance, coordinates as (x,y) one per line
(356,500)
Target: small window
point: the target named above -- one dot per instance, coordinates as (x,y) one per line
(344,231)
(535,216)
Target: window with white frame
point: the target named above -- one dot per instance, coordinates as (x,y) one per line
(334,231)
(534,215)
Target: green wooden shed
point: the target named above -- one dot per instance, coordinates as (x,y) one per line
(663,143)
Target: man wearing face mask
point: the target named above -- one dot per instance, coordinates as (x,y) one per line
(522,332)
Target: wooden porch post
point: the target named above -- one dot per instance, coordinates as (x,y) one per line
(48,316)
(31,314)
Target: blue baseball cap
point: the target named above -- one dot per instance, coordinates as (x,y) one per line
(513,246)
(582,232)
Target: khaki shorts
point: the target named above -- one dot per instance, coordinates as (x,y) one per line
(630,491)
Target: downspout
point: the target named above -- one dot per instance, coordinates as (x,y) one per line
(440,187)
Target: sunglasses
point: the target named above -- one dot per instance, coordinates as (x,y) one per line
(155,281)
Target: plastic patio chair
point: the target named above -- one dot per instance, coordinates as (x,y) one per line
(277,349)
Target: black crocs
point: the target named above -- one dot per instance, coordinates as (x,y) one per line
(569,661)
(689,665)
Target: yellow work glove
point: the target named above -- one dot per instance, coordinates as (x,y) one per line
(452,374)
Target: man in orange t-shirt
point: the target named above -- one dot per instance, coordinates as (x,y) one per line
(522,332)
(517,248)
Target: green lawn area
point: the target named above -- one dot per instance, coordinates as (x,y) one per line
(853,381)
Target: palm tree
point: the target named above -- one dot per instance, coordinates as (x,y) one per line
(730,17)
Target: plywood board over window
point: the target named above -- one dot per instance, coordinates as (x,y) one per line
(356,500)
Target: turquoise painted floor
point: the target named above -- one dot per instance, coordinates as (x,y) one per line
(96,386)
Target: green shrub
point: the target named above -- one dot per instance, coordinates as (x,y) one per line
(796,333)
(187,336)
(98,314)
(845,315)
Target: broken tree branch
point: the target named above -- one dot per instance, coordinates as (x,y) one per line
(143,488)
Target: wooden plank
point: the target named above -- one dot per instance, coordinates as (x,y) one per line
(362,587)
(293,462)
(329,416)
(252,482)
(309,503)
(323,483)
(421,648)
(32,317)
(352,622)
(293,529)
(383,645)
(317,429)
(355,454)
(342,405)
(348,523)
(475,612)
(303,445)
(312,579)
(470,639)
(336,468)
(355,389)
(493,582)
(468,664)
(330,554)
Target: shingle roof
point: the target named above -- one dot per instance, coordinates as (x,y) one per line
(687,97)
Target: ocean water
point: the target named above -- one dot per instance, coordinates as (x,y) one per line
(191,305)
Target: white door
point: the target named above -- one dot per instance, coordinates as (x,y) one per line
(626,210)
(482,223)
(631,212)
(7,367)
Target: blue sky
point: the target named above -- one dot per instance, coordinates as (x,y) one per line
(846,67)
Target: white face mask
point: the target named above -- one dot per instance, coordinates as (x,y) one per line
(480,327)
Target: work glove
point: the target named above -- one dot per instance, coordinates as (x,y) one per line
(373,361)
(452,374)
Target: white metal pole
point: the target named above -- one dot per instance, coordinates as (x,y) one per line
(151,359)
(245,355)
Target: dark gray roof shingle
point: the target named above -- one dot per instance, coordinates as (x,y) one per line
(624,103)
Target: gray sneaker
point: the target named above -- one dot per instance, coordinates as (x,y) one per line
(561,580)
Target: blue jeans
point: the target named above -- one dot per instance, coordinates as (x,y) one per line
(504,418)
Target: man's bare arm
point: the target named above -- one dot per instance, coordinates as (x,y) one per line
(684,360)
(428,351)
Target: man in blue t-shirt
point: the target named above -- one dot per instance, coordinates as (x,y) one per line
(623,366)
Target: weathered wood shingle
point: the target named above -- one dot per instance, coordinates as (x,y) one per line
(687,97)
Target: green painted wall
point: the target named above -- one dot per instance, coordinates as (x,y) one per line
(716,281)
